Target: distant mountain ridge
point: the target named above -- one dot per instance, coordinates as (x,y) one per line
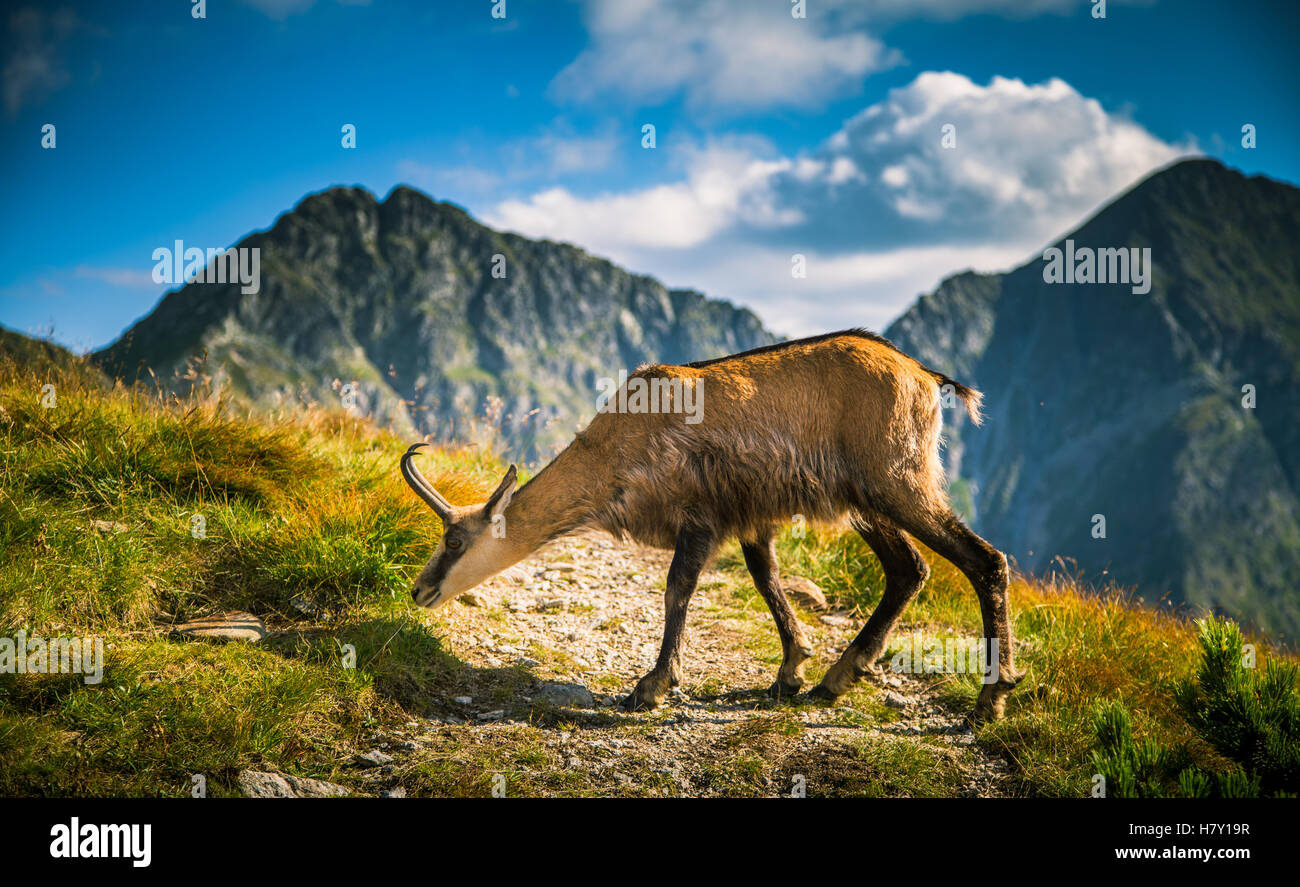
(1105,402)
(399,297)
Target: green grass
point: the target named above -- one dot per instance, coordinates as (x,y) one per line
(304,508)
(299,506)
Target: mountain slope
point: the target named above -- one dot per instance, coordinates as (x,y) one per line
(399,296)
(1106,402)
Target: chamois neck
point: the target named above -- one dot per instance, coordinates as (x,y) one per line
(560,499)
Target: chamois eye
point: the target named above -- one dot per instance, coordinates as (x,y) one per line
(453,543)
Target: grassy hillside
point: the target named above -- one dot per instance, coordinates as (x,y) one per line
(308,525)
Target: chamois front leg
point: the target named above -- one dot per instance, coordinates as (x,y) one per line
(694,547)
(760,557)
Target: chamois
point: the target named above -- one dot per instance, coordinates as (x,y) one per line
(837,426)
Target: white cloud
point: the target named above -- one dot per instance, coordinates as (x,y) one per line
(1029,160)
(35,66)
(881,208)
(733,56)
(558,153)
(719,53)
(553,153)
(725,182)
(863,288)
(132,278)
(458,180)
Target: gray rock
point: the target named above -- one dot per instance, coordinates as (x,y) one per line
(567,695)
(398,792)
(374,758)
(260,784)
(804,592)
(108,526)
(306,605)
(894,700)
(225,627)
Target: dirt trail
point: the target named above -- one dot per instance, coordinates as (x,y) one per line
(588,611)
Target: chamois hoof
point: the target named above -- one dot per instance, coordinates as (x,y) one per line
(821,694)
(633,702)
(992,702)
(983,713)
(781,691)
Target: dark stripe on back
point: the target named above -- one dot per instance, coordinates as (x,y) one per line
(811,340)
(856,332)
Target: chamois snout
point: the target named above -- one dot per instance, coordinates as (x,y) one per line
(473,545)
(427,590)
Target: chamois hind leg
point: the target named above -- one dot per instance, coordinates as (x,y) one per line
(760,557)
(905,573)
(986,568)
(694,547)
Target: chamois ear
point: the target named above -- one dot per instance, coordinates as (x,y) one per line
(501,498)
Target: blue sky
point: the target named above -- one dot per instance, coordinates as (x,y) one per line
(774,135)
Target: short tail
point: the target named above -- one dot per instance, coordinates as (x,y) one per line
(969,396)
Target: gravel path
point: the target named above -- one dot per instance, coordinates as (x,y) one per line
(585,617)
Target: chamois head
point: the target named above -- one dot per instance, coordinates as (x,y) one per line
(473,545)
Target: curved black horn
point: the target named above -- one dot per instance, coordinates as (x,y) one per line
(417,482)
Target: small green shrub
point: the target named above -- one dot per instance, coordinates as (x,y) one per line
(1249,718)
